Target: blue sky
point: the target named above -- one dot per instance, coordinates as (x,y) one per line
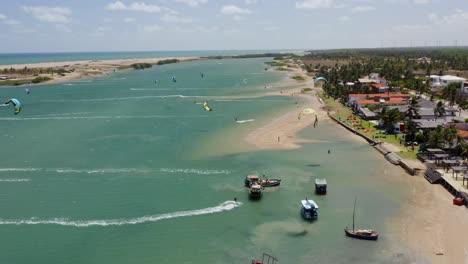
(128,25)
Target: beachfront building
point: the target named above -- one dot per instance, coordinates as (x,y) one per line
(443,81)
(358,101)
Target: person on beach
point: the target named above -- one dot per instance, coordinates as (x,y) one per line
(278,139)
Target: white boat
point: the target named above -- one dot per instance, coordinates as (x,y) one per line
(309,209)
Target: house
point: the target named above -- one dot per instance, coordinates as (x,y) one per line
(464,88)
(444,81)
(429,124)
(462,130)
(367,114)
(379,88)
(424,60)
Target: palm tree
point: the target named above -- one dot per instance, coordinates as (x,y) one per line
(450,92)
(413,109)
(435,137)
(389,118)
(439,109)
(449,135)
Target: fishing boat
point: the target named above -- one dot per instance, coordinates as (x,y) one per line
(255,191)
(320,186)
(365,234)
(309,209)
(251,179)
(270,182)
(207,107)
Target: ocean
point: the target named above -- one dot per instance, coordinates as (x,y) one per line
(21,58)
(120,169)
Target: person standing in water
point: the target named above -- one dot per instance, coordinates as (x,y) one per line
(328,151)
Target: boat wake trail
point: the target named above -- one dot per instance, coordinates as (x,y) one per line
(196,171)
(117,170)
(99,117)
(226,206)
(123,98)
(245,121)
(14,180)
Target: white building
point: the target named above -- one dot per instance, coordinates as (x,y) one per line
(464,87)
(444,81)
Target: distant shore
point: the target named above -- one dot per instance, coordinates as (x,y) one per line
(76,70)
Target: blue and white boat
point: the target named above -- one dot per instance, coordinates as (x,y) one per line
(309,209)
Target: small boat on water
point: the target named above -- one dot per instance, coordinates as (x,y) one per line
(320,186)
(365,234)
(266,259)
(309,209)
(255,191)
(251,179)
(270,182)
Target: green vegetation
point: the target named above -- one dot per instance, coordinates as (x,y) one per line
(40,79)
(282,69)
(141,66)
(306,90)
(15,82)
(34,71)
(298,78)
(276,63)
(162,62)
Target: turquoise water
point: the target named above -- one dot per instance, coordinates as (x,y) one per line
(19,58)
(118,169)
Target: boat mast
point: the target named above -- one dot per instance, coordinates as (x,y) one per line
(354,211)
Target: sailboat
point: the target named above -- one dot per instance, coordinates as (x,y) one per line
(365,234)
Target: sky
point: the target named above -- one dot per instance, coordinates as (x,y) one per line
(159,25)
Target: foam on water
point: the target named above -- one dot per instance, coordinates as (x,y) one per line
(225,206)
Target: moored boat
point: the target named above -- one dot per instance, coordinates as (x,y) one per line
(251,179)
(255,191)
(309,209)
(320,186)
(365,234)
(270,182)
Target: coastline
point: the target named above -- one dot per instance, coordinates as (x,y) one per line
(427,224)
(84,69)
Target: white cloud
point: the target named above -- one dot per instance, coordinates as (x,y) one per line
(249,2)
(8,21)
(315,4)
(272,28)
(11,22)
(238,18)
(135,6)
(62,28)
(49,14)
(234,10)
(104,29)
(150,28)
(192,3)
(358,9)
(411,28)
(344,18)
(171,18)
(129,20)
